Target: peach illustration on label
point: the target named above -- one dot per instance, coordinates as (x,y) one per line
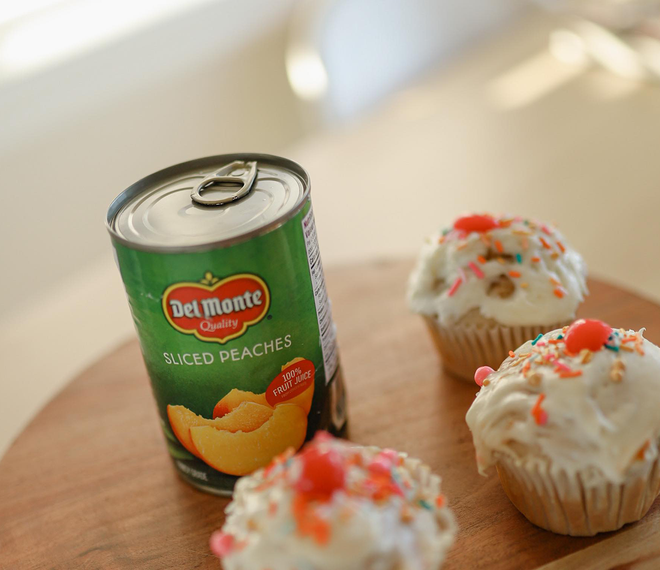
(294,385)
(234,399)
(246,417)
(248,429)
(241,453)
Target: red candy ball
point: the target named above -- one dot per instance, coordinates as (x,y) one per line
(475,223)
(591,334)
(322,472)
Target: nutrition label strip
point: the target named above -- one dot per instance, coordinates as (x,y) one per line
(323,312)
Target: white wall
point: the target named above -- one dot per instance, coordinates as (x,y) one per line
(73,137)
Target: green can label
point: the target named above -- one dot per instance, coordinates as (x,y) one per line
(240,347)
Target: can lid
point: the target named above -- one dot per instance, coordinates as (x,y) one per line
(208,202)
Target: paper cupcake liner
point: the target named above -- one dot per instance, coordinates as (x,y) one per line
(563,504)
(463,349)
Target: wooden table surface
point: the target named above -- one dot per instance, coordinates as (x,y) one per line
(89,483)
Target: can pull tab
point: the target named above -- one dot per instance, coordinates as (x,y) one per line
(237,172)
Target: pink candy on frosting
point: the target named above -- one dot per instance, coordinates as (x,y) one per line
(481,374)
(221,543)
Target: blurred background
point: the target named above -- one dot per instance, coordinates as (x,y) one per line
(405,113)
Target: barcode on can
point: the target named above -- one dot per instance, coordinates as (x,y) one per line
(323,311)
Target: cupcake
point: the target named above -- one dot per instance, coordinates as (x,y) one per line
(337,505)
(489,283)
(570,422)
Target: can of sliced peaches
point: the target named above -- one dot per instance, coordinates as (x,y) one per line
(221,265)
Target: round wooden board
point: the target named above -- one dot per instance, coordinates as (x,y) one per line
(89,483)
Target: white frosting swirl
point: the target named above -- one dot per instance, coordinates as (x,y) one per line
(600,423)
(393,534)
(548,276)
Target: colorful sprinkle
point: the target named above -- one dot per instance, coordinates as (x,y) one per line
(308,523)
(455,286)
(440,501)
(524,285)
(518,257)
(472,265)
(512,354)
(481,259)
(539,414)
(498,246)
(425,505)
(561,247)
(538,338)
(559,292)
(544,243)
(570,374)
(406,514)
(560,366)
(536,259)
(380,465)
(525,243)
(611,347)
(514,273)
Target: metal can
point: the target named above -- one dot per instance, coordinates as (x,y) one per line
(221,265)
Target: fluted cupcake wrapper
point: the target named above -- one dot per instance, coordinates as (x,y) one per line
(564,504)
(463,349)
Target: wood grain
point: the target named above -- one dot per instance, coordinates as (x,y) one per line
(89,483)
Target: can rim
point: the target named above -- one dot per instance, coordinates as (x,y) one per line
(137,188)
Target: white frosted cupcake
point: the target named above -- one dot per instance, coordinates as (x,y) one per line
(489,283)
(571,422)
(337,505)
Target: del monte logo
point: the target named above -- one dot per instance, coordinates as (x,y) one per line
(214,309)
